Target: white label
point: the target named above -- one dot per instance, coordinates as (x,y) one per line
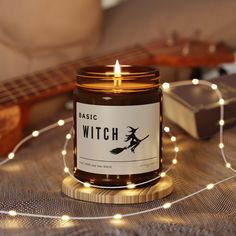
(118,140)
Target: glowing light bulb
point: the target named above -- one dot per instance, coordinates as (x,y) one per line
(12,213)
(167,129)
(195,81)
(63,152)
(65,217)
(174,161)
(87,185)
(68,136)
(228,165)
(214,86)
(163,174)
(117,216)
(221,122)
(131,186)
(222,101)
(165,86)
(35,133)
(167,205)
(173,138)
(176,149)
(221,145)
(11,155)
(210,186)
(66,170)
(61,122)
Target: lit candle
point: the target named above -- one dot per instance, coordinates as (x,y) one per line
(118,123)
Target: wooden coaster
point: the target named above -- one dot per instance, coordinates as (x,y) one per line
(73,189)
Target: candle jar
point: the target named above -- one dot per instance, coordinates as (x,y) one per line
(118,125)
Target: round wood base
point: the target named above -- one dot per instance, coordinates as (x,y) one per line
(73,189)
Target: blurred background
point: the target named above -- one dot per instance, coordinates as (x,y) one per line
(35,35)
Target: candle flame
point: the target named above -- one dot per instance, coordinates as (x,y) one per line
(117,75)
(117,69)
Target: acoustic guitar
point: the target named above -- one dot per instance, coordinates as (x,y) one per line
(17,95)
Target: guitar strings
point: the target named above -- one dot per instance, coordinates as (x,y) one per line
(27,83)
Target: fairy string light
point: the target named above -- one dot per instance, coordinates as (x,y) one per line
(119,216)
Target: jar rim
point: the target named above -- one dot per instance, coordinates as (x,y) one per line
(128,71)
(131,79)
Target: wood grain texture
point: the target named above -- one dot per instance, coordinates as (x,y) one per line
(10,128)
(73,189)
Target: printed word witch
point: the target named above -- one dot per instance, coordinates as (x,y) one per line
(98,133)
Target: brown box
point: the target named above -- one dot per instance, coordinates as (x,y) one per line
(196,109)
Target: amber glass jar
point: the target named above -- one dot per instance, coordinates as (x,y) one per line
(118,125)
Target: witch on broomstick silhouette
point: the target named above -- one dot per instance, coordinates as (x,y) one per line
(134,142)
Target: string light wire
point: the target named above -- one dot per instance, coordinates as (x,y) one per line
(221,101)
(166,205)
(174,161)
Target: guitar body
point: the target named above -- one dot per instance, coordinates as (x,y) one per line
(10,128)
